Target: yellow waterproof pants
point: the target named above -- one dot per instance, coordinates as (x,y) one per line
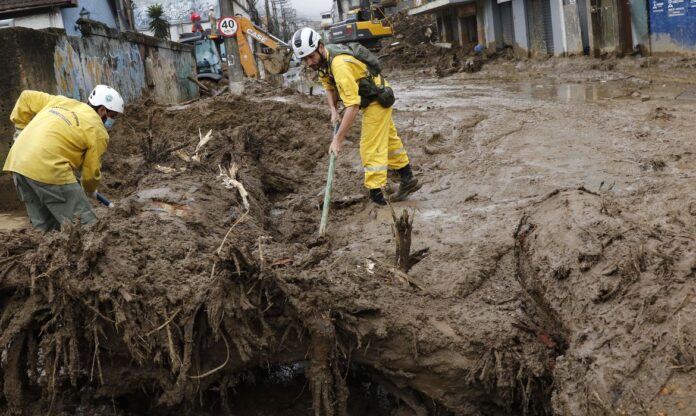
(380,146)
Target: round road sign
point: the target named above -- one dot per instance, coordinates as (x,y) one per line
(227,26)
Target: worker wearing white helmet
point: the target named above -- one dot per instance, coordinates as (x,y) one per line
(352,74)
(55,137)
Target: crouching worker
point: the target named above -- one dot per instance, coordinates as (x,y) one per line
(56,136)
(352,73)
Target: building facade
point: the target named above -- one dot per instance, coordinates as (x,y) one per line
(63,14)
(463,23)
(178,13)
(534,28)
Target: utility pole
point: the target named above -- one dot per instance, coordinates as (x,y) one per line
(269,21)
(234,64)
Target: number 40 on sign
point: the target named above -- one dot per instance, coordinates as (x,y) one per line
(227,26)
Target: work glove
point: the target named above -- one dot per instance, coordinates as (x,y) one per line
(16,134)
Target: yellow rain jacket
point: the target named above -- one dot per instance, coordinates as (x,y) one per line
(60,135)
(380,146)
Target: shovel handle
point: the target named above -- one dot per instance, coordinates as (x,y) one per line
(101,198)
(104,200)
(329,188)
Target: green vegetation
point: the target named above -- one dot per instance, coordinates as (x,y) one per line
(158,23)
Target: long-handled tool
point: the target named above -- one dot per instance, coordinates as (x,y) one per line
(104,200)
(101,198)
(329,188)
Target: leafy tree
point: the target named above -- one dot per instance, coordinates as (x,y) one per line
(158,24)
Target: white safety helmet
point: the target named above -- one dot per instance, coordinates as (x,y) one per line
(106,96)
(305,41)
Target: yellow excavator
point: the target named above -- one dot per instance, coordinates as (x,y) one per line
(366,24)
(275,58)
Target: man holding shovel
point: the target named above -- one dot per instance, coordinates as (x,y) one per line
(352,74)
(56,136)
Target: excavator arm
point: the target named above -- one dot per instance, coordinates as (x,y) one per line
(276,62)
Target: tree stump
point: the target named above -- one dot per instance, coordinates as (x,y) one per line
(402,228)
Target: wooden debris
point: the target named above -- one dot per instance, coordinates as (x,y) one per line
(201,143)
(182,155)
(228,173)
(165,169)
(377,267)
(402,228)
(201,86)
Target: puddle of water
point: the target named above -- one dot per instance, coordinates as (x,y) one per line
(573,93)
(13,221)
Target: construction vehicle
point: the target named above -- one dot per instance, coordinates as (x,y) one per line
(275,54)
(367,25)
(206,49)
(326,20)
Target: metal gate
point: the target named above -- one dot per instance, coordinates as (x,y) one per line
(548,26)
(507,24)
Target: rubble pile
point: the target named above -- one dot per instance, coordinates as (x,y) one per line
(412,49)
(176,298)
(207,291)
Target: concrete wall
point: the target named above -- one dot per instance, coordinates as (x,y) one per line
(51,18)
(584,24)
(481,22)
(485,19)
(571,25)
(639,24)
(536,32)
(673,26)
(53,62)
(558,27)
(496,23)
(519,18)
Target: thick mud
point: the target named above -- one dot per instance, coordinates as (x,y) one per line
(556,207)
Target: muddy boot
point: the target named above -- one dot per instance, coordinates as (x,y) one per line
(377,197)
(408,184)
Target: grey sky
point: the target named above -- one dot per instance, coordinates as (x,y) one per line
(311,8)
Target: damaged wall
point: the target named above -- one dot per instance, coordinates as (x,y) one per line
(53,62)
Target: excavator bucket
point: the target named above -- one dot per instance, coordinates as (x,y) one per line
(277,62)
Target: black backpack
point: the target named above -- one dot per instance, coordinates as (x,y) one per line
(357,51)
(368,90)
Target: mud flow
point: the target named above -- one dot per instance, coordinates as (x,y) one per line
(551,263)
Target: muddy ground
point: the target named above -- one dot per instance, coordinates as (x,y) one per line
(558,211)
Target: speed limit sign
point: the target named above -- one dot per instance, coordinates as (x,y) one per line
(227,26)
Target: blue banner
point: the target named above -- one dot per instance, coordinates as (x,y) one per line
(673,21)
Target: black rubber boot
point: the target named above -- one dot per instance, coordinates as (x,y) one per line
(377,196)
(407,185)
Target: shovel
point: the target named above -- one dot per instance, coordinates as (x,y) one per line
(329,188)
(101,198)
(104,200)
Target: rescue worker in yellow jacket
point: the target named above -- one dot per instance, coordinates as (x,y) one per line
(55,137)
(380,146)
